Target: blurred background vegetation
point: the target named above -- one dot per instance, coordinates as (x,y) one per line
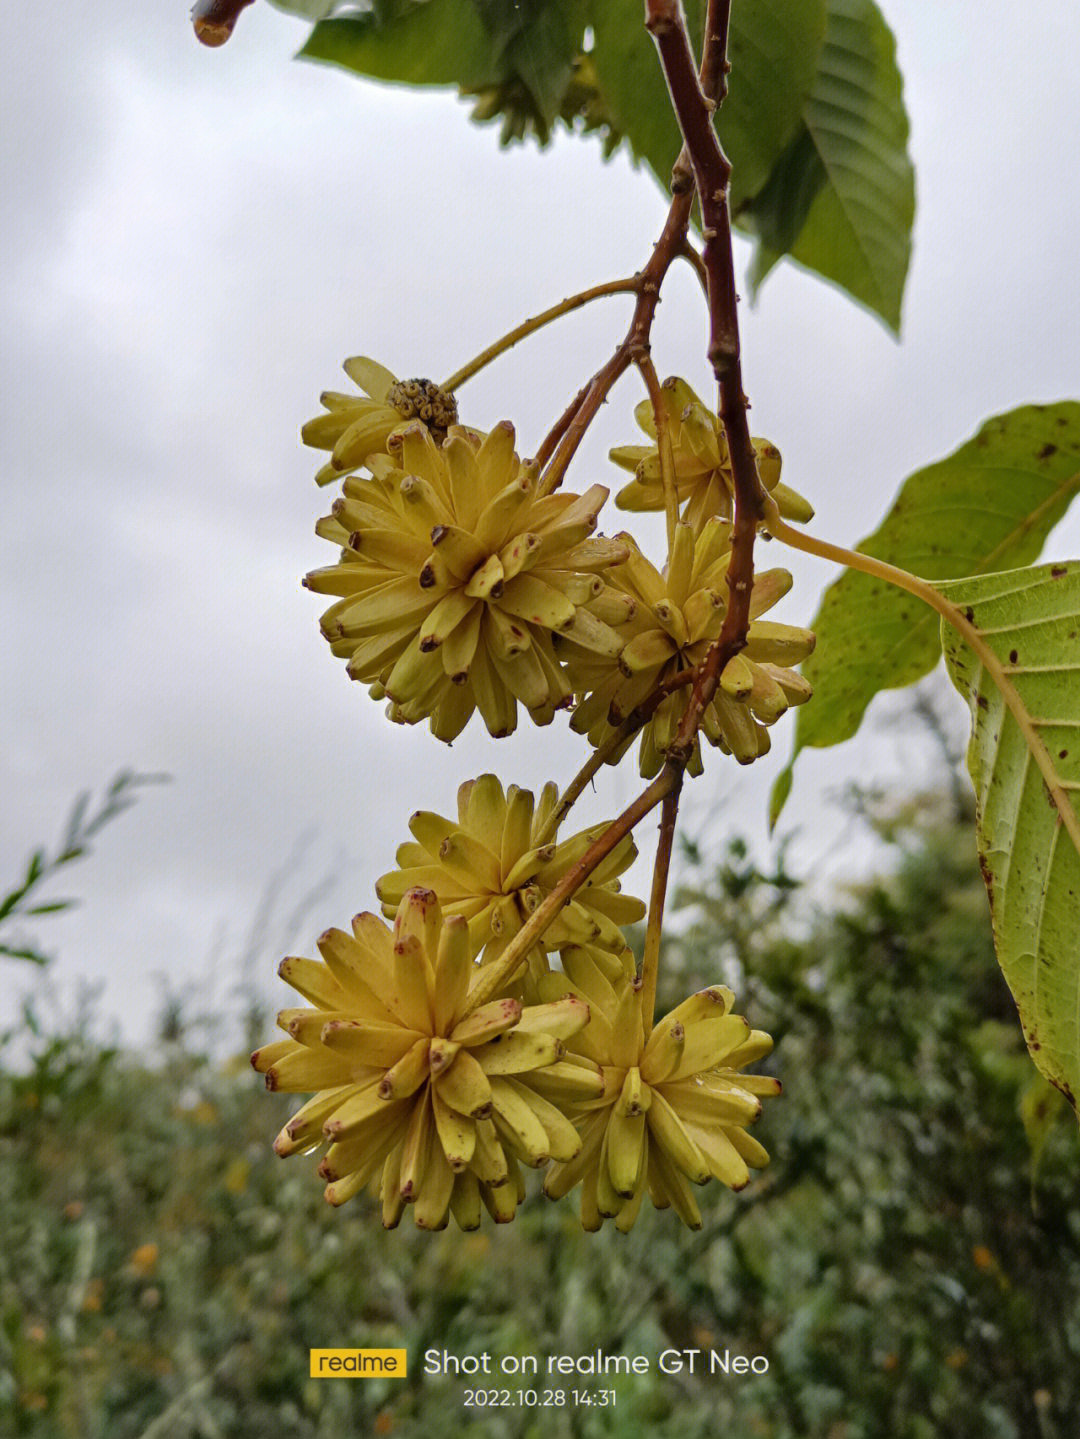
(909,1263)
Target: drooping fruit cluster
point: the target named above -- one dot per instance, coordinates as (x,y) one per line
(674,1107)
(452,1050)
(677,616)
(462,586)
(703,478)
(453,575)
(431,1099)
(501,859)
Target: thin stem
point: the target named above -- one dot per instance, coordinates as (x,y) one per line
(697,264)
(663,445)
(923,590)
(852,559)
(537,322)
(493,976)
(559,428)
(582,779)
(714,61)
(694,107)
(650,963)
(584,412)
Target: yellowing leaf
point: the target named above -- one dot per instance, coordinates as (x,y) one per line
(1024,759)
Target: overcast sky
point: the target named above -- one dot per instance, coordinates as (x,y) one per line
(194,239)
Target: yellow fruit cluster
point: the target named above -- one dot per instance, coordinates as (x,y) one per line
(446,1053)
(453,575)
(460,586)
(676,617)
(496,864)
(432,1093)
(702,464)
(432,1099)
(674,1107)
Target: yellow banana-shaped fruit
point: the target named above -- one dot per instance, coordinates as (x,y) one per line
(419,1086)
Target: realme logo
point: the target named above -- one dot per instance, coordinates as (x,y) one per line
(358,1364)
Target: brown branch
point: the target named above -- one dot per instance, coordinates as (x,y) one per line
(215,20)
(561,425)
(578,418)
(714,61)
(695,101)
(558,448)
(697,264)
(713,80)
(694,109)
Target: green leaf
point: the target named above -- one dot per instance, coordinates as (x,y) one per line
(841,199)
(1024,760)
(74,828)
(773,49)
(441,42)
(814,125)
(33,955)
(820,168)
(539,44)
(35,869)
(523,62)
(987,507)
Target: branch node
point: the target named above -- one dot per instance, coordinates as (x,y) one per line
(723,354)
